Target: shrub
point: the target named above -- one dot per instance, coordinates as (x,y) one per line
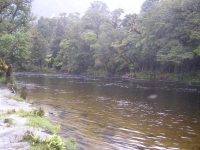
(55,142)
(38,112)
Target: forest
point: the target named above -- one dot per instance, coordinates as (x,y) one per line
(162,41)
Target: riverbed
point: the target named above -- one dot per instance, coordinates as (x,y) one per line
(113,113)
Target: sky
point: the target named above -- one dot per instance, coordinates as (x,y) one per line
(52,8)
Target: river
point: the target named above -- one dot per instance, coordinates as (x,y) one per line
(112,113)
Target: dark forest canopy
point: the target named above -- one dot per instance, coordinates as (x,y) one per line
(163,39)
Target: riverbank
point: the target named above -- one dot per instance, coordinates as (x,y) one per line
(157,76)
(147,75)
(14,128)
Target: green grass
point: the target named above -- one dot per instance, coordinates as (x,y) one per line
(53,142)
(10,111)
(35,112)
(15,97)
(38,146)
(2,115)
(34,141)
(37,121)
(71,144)
(2,79)
(24,113)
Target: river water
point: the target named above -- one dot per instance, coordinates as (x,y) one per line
(103,113)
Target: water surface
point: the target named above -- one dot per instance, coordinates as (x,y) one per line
(120,114)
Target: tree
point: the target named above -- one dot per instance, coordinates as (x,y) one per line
(95,16)
(115,17)
(15,47)
(14,14)
(39,48)
(164,39)
(5,68)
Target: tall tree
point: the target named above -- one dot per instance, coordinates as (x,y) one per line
(14,14)
(39,48)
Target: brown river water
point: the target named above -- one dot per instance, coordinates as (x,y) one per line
(104,113)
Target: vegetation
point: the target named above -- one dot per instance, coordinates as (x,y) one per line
(21,96)
(55,142)
(38,112)
(24,113)
(23,92)
(37,121)
(162,39)
(71,144)
(52,142)
(9,121)
(2,79)
(15,97)
(10,111)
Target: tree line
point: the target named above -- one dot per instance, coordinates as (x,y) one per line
(164,38)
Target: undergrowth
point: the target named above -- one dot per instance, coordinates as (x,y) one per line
(53,142)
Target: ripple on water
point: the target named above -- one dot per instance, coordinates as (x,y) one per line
(101,98)
(134,121)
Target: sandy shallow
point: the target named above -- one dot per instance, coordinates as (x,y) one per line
(11,135)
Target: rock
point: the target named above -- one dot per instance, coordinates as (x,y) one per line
(163,78)
(11,137)
(14,146)
(152,97)
(129,75)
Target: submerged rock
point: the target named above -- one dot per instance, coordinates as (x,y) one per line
(152,97)
(129,75)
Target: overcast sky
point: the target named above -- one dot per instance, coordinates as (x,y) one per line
(50,8)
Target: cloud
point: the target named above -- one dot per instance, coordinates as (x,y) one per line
(53,15)
(50,7)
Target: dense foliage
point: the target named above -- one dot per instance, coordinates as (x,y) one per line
(164,38)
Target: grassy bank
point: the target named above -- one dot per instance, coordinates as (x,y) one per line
(43,135)
(36,119)
(168,76)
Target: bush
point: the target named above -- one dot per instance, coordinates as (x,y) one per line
(38,112)
(55,142)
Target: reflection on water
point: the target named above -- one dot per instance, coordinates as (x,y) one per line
(115,113)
